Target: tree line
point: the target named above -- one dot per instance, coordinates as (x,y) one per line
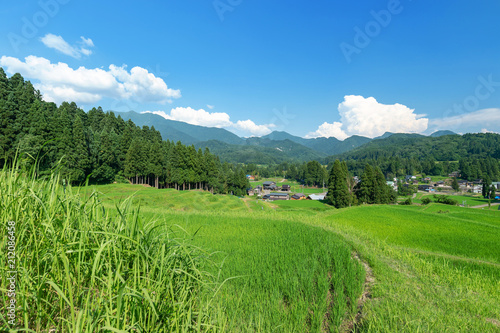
(474,156)
(101,147)
(371,188)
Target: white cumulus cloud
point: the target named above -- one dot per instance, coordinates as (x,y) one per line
(367,117)
(214,119)
(59,82)
(328,130)
(58,43)
(196,117)
(249,127)
(484,130)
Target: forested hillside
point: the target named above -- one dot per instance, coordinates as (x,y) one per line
(475,155)
(100,146)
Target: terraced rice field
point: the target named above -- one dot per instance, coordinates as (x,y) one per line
(246,265)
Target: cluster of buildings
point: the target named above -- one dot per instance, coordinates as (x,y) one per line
(475,186)
(270,191)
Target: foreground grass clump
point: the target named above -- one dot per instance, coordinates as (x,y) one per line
(79,269)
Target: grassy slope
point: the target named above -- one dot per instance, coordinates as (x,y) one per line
(436,268)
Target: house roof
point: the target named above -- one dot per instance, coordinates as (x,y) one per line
(268,182)
(279,194)
(316,196)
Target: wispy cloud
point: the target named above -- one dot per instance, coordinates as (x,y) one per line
(76,51)
(477,121)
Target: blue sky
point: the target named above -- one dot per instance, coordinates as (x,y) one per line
(322,68)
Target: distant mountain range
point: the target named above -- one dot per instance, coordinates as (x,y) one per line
(275,147)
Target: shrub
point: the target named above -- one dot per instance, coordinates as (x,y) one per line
(407,202)
(426,201)
(444,199)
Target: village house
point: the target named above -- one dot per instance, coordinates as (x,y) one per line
(269,185)
(477,189)
(298,196)
(319,196)
(276,196)
(393,185)
(285,187)
(426,188)
(440,184)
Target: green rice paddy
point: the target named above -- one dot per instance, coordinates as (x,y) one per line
(286,266)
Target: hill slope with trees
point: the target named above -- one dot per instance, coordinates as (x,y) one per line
(101,147)
(477,156)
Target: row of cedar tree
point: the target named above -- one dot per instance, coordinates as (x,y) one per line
(343,191)
(100,146)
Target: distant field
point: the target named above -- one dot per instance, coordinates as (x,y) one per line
(436,268)
(469,199)
(165,199)
(437,228)
(302,204)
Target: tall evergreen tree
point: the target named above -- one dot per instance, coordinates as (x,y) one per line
(338,188)
(367,185)
(81,152)
(454,184)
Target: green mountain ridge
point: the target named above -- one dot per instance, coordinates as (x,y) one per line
(275,147)
(180,131)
